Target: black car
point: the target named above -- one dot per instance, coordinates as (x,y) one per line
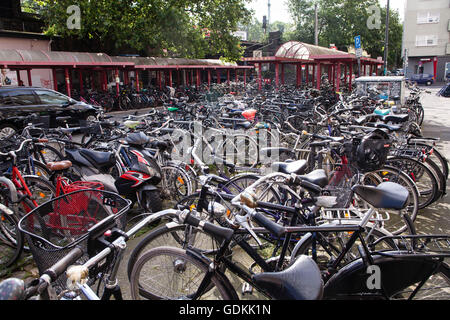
(16,103)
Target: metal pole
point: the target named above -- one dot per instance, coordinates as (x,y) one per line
(386,39)
(136,71)
(30,83)
(316,28)
(66,73)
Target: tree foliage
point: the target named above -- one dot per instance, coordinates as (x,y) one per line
(178,28)
(339,21)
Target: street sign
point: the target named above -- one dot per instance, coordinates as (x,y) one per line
(358,42)
(257,53)
(358,52)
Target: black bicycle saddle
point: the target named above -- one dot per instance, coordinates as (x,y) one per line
(301,281)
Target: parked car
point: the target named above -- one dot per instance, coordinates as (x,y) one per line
(16,103)
(422,78)
(397,72)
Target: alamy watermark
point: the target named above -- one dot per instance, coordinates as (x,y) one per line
(74,19)
(374,20)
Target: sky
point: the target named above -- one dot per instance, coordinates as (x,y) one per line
(279,9)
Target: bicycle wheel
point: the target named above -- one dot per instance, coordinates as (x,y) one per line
(424,178)
(266,192)
(47,154)
(175,185)
(11,240)
(36,168)
(173,235)
(41,190)
(396,224)
(435,155)
(329,245)
(171,273)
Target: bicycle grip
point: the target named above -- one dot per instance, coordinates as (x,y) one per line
(58,268)
(210,228)
(273,227)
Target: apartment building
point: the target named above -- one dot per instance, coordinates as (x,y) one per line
(426,38)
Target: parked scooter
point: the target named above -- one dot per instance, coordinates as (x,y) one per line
(138,172)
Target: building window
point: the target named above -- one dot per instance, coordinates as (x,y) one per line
(427,17)
(426,41)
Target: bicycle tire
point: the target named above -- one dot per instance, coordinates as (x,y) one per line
(424,178)
(332,250)
(42,190)
(176,183)
(174,235)
(49,154)
(178,263)
(11,240)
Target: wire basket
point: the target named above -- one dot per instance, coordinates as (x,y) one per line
(338,197)
(54,228)
(406,152)
(83,185)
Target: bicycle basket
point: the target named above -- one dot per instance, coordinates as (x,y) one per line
(54,228)
(343,196)
(83,185)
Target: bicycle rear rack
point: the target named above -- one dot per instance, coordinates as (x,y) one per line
(346,215)
(418,245)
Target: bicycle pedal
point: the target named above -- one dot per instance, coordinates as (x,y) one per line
(246,289)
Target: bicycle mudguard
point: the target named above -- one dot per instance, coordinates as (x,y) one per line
(387,276)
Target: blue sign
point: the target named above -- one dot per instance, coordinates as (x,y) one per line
(357,42)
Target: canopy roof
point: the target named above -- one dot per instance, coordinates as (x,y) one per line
(300,52)
(305,51)
(16,58)
(20,59)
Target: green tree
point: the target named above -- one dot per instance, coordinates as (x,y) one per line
(178,28)
(339,21)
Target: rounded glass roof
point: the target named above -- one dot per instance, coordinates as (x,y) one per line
(304,51)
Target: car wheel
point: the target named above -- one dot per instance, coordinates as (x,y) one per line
(91,117)
(428,83)
(7,131)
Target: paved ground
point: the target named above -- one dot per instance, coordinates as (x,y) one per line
(430,220)
(436,218)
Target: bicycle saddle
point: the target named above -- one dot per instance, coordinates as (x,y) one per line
(12,289)
(244,125)
(382,125)
(59,165)
(386,195)
(301,281)
(98,158)
(297,167)
(396,118)
(317,177)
